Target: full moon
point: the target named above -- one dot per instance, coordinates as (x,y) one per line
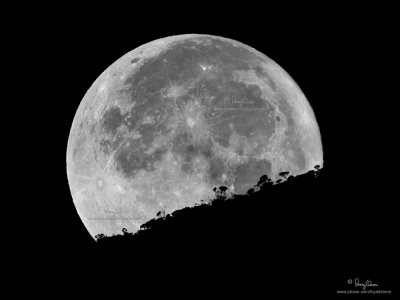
(171,120)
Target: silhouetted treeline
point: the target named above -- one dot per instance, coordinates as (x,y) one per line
(282,213)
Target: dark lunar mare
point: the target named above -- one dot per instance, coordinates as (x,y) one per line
(132,158)
(234,102)
(112,120)
(180,62)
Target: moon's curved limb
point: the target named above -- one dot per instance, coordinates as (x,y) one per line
(114,193)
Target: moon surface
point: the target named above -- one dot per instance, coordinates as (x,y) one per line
(176,117)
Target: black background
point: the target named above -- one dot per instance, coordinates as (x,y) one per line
(339,226)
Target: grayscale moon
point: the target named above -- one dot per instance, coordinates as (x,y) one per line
(176,117)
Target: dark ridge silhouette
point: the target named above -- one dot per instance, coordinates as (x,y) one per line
(282,235)
(283,217)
